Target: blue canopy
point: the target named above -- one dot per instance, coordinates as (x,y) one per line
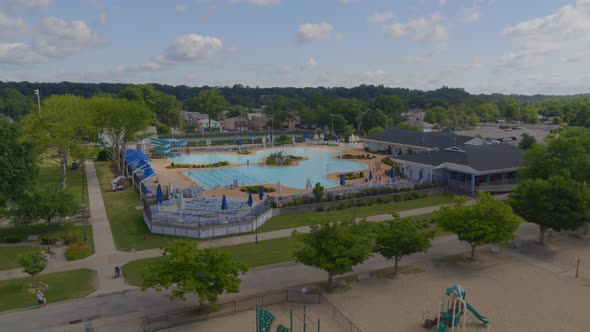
(239,142)
(342,180)
(392,173)
(260,193)
(224,203)
(134,156)
(159,194)
(370,175)
(147,173)
(250,200)
(420,174)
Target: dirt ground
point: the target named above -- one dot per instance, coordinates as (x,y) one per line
(246,321)
(514,293)
(178,180)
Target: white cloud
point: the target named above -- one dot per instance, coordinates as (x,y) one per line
(317,32)
(59,37)
(381,17)
(325,77)
(31,4)
(18,53)
(429,53)
(471,15)
(261,3)
(11,26)
(422,29)
(180,8)
(373,75)
(311,63)
(520,60)
(191,48)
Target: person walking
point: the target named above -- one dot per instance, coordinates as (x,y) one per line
(40,297)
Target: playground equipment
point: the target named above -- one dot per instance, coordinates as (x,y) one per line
(452,309)
(302,322)
(162,146)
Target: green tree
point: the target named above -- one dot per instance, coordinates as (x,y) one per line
(487,221)
(165,107)
(308,116)
(212,103)
(334,247)
(392,106)
(401,237)
(58,130)
(436,114)
(527,142)
(32,263)
(205,272)
(374,118)
(407,126)
(318,192)
(558,203)
(118,122)
(18,166)
(237,110)
(375,131)
(14,104)
(350,109)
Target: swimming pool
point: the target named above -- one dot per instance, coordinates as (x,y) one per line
(319,163)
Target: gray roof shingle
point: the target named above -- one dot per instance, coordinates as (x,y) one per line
(431,140)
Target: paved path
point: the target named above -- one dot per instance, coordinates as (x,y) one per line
(134,303)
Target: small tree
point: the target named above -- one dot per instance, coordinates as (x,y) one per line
(558,203)
(318,192)
(487,221)
(335,247)
(32,263)
(527,142)
(212,103)
(401,237)
(204,272)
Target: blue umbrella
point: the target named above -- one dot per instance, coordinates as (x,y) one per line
(224,203)
(260,193)
(420,174)
(250,201)
(370,175)
(392,173)
(159,194)
(342,180)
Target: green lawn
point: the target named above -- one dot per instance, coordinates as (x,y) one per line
(62,286)
(126,220)
(252,255)
(50,174)
(8,256)
(312,218)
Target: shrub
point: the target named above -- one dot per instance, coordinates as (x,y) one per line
(397,198)
(341,206)
(70,237)
(254,189)
(51,240)
(14,239)
(77,250)
(320,208)
(103,155)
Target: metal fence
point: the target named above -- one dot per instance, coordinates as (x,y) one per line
(231,307)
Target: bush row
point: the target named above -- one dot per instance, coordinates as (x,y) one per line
(217,164)
(357,156)
(254,189)
(372,201)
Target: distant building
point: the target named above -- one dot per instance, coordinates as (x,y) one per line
(203,125)
(236,123)
(191,118)
(424,127)
(398,142)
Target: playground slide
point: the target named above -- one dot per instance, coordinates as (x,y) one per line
(479,316)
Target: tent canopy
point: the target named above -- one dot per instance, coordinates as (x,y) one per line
(134,156)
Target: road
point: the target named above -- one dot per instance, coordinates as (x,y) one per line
(133,303)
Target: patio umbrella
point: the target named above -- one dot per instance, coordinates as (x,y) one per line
(342,180)
(308,184)
(392,173)
(260,193)
(224,203)
(370,175)
(420,175)
(250,200)
(159,194)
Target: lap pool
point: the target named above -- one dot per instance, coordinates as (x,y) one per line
(319,163)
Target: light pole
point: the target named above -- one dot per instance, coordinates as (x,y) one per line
(332,128)
(84,199)
(272,130)
(38,98)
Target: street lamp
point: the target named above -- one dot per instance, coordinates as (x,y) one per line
(332,128)
(38,98)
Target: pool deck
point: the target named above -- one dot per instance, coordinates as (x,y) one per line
(177,179)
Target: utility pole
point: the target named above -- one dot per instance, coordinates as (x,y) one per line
(38,98)
(332,128)
(84,200)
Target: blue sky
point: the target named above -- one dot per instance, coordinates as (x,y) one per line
(484,46)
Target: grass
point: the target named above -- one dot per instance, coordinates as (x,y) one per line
(62,286)
(126,220)
(265,253)
(50,174)
(312,218)
(8,256)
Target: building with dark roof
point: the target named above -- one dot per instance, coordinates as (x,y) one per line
(398,142)
(466,168)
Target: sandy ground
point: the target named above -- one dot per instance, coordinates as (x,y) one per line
(178,180)
(515,295)
(246,321)
(495,132)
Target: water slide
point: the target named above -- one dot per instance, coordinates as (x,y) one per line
(479,316)
(163,146)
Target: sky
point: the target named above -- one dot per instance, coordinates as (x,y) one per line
(484,46)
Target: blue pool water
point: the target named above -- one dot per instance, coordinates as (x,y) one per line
(320,162)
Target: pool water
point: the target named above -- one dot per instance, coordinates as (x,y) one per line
(319,163)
